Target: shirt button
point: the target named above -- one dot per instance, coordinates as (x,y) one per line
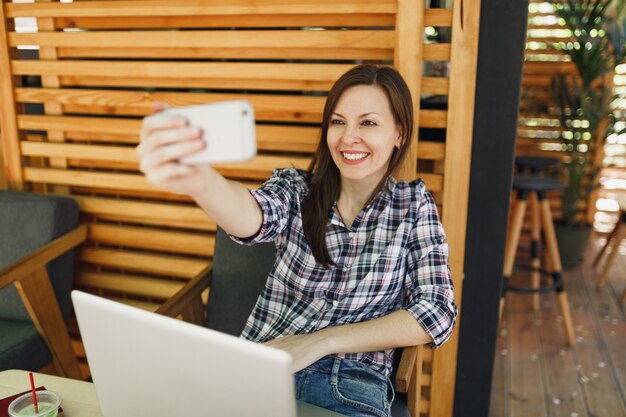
(352,235)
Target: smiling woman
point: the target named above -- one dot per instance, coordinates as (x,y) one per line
(362,263)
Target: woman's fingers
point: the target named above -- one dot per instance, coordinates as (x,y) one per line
(158,123)
(170,153)
(172,133)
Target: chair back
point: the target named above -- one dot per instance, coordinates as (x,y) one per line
(239,276)
(27,222)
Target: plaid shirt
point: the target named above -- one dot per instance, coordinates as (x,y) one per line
(393,257)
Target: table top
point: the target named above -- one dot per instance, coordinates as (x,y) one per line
(79,397)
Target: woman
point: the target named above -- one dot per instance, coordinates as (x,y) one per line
(361,261)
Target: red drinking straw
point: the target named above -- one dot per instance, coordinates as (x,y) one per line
(32,388)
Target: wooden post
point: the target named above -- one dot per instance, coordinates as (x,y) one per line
(52,108)
(8,115)
(465,24)
(408,61)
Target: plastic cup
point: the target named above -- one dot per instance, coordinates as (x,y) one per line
(48,402)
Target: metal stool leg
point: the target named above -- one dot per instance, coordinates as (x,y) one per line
(512,242)
(555,260)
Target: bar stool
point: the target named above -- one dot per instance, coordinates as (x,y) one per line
(536,164)
(616,236)
(541,219)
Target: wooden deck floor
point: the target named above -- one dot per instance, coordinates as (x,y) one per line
(536,375)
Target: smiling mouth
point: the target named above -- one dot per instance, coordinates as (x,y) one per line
(354,156)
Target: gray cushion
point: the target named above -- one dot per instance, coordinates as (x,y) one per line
(29,221)
(21,347)
(236,285)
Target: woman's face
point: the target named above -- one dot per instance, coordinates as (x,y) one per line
(362,134)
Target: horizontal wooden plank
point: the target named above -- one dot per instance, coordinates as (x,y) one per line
(174,266)
(89,179)
(549,68)
(260,167)
(433,118)
(430,85)
(110,125)
(267,107)
(432,17)
(240,21)
(435,85)
(436,52)
(152,239)
(196,8)
(253,75)
(159,214)
(431,150)
(438,17)
(374,54)
(271,40)
(129,284)
(69,150)
(158,195)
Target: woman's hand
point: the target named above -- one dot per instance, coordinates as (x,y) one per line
(164,140)
(304,348)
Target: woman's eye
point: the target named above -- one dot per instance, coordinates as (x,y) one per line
(368,123)
(336,122)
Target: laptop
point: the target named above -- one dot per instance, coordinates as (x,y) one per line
(145,364)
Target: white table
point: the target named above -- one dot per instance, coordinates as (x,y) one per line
(79,397)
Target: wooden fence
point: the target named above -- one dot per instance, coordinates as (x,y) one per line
(101,65)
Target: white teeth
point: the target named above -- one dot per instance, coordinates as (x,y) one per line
(354,156)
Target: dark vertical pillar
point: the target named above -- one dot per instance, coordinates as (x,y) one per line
(500,61)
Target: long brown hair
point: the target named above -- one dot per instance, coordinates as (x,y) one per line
(324,176)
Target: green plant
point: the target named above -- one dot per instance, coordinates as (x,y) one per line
(582,101)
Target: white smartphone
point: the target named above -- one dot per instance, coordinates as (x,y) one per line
(228,130)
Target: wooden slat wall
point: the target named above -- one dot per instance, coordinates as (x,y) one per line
(103,63)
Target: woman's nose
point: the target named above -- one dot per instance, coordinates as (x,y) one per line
(351,134)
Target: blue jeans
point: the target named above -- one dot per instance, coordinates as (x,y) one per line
(346,387)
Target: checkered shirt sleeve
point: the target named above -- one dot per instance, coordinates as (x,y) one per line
(430,293)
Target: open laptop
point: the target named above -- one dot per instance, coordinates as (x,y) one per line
(145,364)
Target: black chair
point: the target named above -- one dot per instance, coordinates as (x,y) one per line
(37,235)
(236,278)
